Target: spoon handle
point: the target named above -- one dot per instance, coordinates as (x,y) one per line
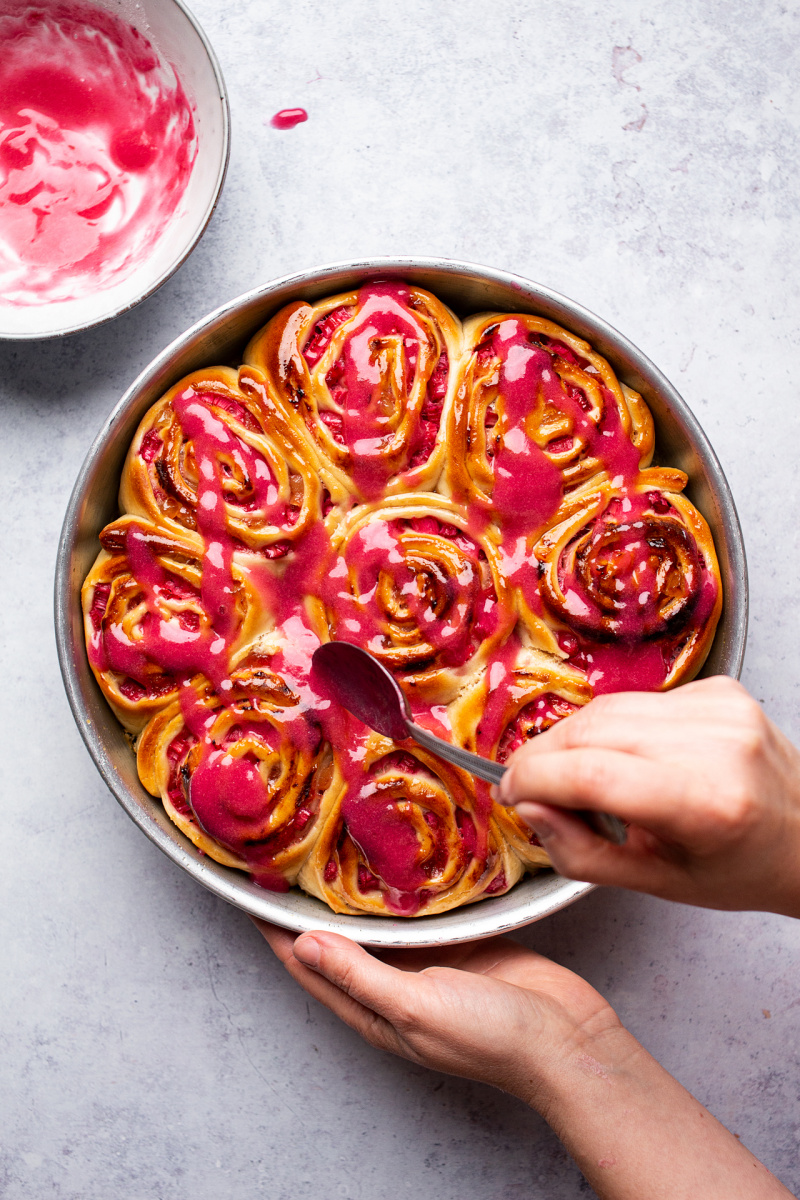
(604,824)
(484,768)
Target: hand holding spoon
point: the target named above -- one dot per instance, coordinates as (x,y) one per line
(371,693)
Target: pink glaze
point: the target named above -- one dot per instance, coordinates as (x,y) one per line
(357,382)
(623,667)
(528,485)
(213,442)
(177,642)
(469,614)
(527,489)
(97,143)
(613,602)
(287,118)
(388,842)
(499,682)
(302,573)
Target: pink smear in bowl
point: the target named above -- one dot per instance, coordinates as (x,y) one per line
(97,144)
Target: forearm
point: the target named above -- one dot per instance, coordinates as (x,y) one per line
(635,1132)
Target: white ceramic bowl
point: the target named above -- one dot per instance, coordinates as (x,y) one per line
(179,40)
(221,337)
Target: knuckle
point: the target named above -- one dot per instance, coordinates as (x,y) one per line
(582,728)
(737,699)
(405,1014)
(735,810)
(376,1032)
(347,979)
(752,728)
(406,1021)
(725,685)
(750,743)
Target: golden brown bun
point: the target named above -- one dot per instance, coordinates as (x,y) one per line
(434,800)
(451,570)
(684,604)
(282,350)
(301,780)
(476,417)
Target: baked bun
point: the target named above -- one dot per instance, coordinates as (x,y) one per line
(371,374)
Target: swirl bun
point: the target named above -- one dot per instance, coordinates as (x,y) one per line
(538,412)
(522,694)
(423,594)
(407,835)
(217,453)
(371,375)
(248,781)
(633,570)
(150,622)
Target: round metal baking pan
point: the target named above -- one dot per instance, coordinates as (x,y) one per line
(221,338)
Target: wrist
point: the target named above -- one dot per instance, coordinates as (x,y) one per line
(592,1067)
(635,1131)
(573,1057)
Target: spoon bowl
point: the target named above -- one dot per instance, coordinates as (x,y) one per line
(351,676)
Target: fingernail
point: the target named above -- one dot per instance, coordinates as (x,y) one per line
(307,950)
(532,815)
(500,792)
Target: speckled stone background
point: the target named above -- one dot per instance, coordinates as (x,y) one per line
(641,158)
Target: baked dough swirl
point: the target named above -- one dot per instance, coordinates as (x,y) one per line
(217,453)
(538,412)
(631,572)
(370,373)
(523,694)
(406,836)
(248,781)
(148,622)
(419,591)
(475,505)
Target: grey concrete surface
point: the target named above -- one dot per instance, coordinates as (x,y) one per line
(641,158)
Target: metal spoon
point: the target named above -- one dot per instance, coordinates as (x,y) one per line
(371,693)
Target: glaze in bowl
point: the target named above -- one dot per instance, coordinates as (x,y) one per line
(180,42)
(221,337)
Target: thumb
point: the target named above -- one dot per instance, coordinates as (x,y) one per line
(372,983)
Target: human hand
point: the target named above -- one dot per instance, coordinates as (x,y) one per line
(710,786)
(497,1012)
(488,1010)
